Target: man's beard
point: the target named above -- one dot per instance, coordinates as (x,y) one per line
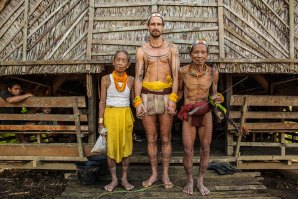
(155,35)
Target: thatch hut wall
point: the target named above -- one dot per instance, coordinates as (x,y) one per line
(252,36)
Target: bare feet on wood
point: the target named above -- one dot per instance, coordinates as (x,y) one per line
(167,183)
(127,185)
(188,188)
(202,189)
(110,187)
(148,183)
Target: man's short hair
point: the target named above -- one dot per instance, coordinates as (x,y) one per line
(156,14)
(12,83)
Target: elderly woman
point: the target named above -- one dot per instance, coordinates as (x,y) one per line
(115,114)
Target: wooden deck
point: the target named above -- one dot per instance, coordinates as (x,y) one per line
(238,185)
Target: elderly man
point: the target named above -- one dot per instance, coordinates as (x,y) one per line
(197,81)
(156,87)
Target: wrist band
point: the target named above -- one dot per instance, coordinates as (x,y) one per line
(100,121)
(173,97)
(137,101)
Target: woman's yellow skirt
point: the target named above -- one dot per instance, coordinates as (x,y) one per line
(119,122)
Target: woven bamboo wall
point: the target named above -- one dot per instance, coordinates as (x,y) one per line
(255,36)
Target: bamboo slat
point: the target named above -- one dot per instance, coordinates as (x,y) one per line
(283,51)
(66,34)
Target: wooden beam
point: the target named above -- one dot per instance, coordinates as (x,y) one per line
(44,150)
(159,3)
(265,115)
(265,100)
(168,19)
(42,117)
(266,165)
(58,102)
(166,31)
(267,144)
(277,126)
(41,128)
(139,43)
(94,61)
(268,157)
(44,165)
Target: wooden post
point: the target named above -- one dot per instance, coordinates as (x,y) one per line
(282,141)
(291,28)
(292,31)
(91,95)
(78,127)
(90,32)
(221,29)
(25,31)
(154,6)
(242,122)
(229,137)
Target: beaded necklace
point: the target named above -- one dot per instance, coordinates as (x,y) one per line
(199,73)
(117,79)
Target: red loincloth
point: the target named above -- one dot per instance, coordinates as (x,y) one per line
(197,117)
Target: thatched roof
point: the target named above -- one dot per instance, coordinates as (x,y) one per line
(37,30)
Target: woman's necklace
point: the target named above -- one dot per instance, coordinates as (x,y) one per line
(119,79)
(198,73)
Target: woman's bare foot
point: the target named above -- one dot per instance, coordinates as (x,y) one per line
(110,187)
(188,188)
(148,183)
(167,183)
(127,185)
(202,189)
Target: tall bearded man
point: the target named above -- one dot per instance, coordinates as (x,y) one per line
(197,81)
(156,87)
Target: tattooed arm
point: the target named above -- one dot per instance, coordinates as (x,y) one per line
(139,71)
(139,75)
(214,85)
(175,63)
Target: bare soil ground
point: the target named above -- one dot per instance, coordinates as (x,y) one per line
(280,185)
(49,184)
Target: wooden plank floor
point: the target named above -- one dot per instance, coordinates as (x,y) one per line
(239,185)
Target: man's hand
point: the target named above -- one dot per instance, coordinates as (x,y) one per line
(218,98)
(140,110)
(171,107)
